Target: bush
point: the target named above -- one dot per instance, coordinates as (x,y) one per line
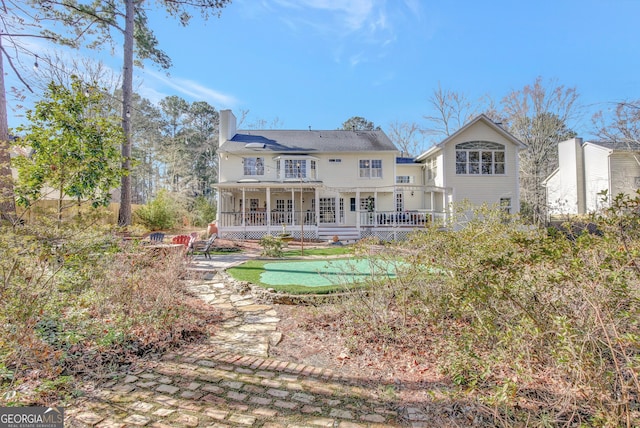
(202,212)
(77,301)
(161,213)
(271,246)
(542,325)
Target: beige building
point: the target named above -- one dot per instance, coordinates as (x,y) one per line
(355,184)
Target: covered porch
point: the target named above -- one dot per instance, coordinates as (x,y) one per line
(250,210)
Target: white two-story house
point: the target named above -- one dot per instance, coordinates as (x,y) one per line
(354,184)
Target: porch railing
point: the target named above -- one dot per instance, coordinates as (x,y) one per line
(261,218)
(295,218)
(399,218)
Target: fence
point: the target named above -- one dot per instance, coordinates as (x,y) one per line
(49,208)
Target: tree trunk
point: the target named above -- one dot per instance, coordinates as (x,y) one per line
(7,199)
(60,202)
(124,215)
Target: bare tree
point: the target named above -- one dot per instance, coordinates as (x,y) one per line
(408,137)
(16,23)
(622,127)
(539,115)
(63,70)
(451,111)
(275,123)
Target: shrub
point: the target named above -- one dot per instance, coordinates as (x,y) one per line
(161,213)
(78,301)
(531,319)
(271,246)
(203,212)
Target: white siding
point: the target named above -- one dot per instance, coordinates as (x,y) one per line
(482,189)
(625,173)
(562,187)
(596,173)
(412,197)
(343,174)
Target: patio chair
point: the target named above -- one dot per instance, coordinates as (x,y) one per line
(193,238)
(207,248)
(156,238)
(181,239)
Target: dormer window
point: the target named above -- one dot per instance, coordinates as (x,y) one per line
(480,158)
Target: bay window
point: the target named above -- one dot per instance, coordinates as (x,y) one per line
(296,168)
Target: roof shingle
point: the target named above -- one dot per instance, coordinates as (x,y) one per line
(308,142)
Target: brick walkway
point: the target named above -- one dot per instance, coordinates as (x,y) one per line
(231,381)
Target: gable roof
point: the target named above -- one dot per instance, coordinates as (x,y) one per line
(307,142)
(480,118)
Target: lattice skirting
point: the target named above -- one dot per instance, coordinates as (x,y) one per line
(386,235)
(311,235)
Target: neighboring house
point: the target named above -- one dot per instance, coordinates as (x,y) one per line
(587,168)
(354,184)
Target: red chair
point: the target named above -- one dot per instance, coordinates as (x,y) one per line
(181,239)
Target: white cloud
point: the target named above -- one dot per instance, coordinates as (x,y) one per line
(193,90)
(354,14)
(414,7)
(355,30)
(347,16)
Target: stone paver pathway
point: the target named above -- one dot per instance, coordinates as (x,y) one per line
(231,381)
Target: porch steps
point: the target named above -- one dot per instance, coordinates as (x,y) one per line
(344,233)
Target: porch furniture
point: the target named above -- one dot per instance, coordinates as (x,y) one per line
(193,238)
(156,237)
(181,239)
(207,247)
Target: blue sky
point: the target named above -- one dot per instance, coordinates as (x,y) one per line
(319,62)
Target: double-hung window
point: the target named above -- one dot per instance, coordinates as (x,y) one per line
(480,158)
(253,166)
(432,168)
(370,168)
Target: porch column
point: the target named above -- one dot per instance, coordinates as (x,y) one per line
(317,198)
(218,208)
(433,208)
(293,206)
(244,207)
(268,209)
(358,209)
(337,212)
(377,207)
